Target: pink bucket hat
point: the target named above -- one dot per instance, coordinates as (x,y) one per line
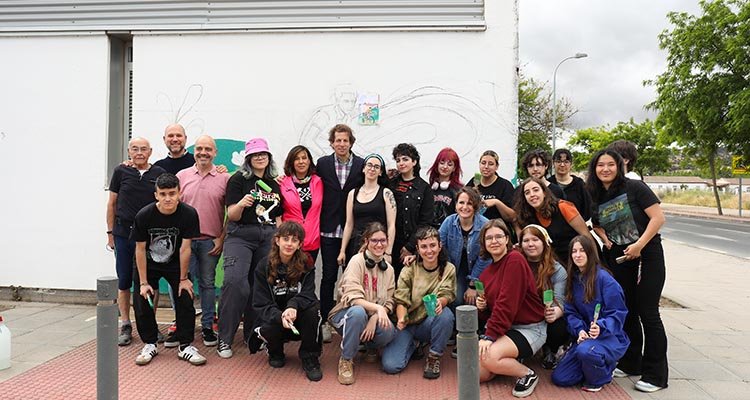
(256,145)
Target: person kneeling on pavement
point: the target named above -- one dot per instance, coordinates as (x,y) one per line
(365,293)
(285,302)
(162,232)
(432,321)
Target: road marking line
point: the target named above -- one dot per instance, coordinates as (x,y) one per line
(716,237)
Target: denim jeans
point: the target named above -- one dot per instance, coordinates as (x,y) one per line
(436,330)
(203,268)
(350,323)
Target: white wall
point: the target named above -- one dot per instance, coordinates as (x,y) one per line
(53,121)
(436,89)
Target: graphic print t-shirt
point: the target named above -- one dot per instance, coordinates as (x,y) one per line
(267,205)
(622,214)
(163,234)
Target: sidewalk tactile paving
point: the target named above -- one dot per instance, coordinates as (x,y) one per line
(73,376)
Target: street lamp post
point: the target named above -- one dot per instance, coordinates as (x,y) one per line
(554,97)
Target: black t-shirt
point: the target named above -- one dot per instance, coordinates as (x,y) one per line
(175,165)
(576,193)
(444,204)
(463,266)
(305,196)
(501,189)
(134,191)
(621,212)
(163,234)
(267,205)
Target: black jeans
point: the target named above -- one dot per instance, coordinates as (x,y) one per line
(308,324)
(647,359)
(329,251)
(145,318)
(557,334)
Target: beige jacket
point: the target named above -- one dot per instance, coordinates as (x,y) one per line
(359,282)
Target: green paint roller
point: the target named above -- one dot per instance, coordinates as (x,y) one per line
(263,186)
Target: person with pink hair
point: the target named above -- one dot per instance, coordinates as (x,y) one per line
(445,180)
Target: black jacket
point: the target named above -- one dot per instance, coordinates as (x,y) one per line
(333,212)
(270,300)
(577,194)
(416,209)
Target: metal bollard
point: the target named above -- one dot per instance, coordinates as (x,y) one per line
(106,338)
(467,341)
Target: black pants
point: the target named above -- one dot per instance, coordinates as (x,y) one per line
(308,324)
(647,359)
(557,334)
(329,251)
(145,318)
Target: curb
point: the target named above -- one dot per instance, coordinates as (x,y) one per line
(724,218)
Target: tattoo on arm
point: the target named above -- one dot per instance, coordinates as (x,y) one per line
(390,198)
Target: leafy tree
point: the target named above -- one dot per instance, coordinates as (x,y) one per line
(653,156)
(535,115)
(703,97)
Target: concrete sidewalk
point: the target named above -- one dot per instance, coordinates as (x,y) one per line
(730,214)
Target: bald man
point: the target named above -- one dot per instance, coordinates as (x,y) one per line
(178,158)
(204,188)
(131,188)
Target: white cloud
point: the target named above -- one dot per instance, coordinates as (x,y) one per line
(621,39)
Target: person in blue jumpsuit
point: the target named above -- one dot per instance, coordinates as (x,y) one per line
(601,339)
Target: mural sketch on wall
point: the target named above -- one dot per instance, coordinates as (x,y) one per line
(428,116)
(194,127)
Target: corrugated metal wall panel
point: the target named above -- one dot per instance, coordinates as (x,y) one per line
(67,15)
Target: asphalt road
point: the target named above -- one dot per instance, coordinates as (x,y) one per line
(718,236)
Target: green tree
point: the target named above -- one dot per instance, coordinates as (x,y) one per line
(703,96)
(535,115)
(653,155)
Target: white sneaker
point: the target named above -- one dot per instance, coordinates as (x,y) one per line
(326,332)
(191,355)
(224,350)
(618,373)
(148,352)
(647,387)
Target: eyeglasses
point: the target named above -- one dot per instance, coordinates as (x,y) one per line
(376,167)
(378,241)
(494,238)
(259,156)
(563,162)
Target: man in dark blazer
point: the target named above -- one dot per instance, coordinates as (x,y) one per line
(340,172)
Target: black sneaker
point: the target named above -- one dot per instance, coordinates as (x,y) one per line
(171,340)
(311,365)
(254,342)
(549,358)
(209,337)
(125,336)
(525,385)
(276,360)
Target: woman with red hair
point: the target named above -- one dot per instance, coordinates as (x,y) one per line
(445,180)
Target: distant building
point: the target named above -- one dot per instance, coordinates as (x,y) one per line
(676,183)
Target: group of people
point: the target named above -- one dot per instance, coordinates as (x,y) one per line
(407,250)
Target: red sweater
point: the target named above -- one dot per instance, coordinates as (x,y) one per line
(511,295)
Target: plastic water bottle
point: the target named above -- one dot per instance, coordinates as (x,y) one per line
(4,345)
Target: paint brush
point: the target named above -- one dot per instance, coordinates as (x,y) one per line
(596,311)
(479,286)
(477,178)
(549,297)
(150,302)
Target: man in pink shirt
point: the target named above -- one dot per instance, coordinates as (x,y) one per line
(203,188)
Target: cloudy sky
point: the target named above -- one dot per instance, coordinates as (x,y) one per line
(620,38)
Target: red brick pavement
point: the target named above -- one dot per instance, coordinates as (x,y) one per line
(244,376)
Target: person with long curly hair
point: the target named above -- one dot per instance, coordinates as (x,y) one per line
(537,205)
(285,302)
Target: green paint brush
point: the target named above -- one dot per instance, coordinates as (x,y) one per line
(150,302)
(479,286)
(596,311)
(477,178)
(549,297)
